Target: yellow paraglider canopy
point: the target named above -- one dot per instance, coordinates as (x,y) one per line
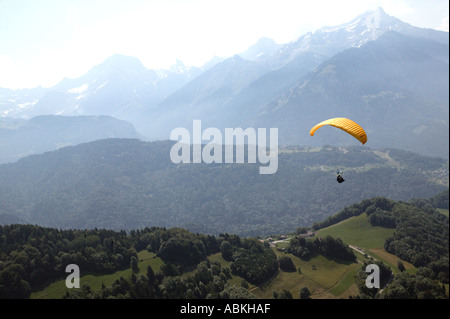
(346,125)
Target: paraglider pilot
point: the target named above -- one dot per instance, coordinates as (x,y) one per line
(339,178)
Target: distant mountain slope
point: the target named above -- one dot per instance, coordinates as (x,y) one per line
(260,49)
(120,86)
(366,27)
(390,76)
(8,219)
(126,184)
(204,97)
(20,138)
(395,87)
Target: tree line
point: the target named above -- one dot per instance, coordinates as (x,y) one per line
(421,285)
(327,246)
(32,256)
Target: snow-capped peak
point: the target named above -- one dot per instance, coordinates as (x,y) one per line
(179,67)
(365,27)
(373,19)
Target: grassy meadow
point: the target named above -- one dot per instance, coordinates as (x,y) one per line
(58,288)
(359,233)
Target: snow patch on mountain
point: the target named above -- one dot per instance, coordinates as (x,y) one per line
(79,89)
(27,104)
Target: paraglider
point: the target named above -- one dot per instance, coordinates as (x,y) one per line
(346,125)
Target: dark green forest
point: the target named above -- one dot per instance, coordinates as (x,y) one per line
(32,256)
(130,184)
(328,246)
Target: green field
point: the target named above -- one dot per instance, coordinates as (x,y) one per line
(358,232)
(322,276)
(58,288)
(325,278)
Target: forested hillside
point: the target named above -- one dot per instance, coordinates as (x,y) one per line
(130,184)
(421,237)
(32,257)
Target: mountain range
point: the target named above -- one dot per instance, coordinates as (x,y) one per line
(387,75)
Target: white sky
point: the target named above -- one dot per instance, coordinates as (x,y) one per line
(43,41)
